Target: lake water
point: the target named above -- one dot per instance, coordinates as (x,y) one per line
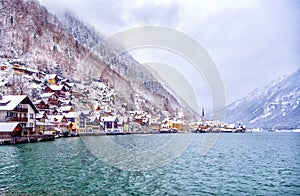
(238,164)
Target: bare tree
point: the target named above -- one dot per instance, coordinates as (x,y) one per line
(19,85)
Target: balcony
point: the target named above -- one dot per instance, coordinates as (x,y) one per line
(16,119)
(21,110)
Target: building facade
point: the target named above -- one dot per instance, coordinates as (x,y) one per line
(18,108)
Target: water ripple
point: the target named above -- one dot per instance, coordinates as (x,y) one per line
(239,164)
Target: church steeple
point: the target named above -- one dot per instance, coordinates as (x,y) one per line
(203,116)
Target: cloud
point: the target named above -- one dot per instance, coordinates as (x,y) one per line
(109,17)
(252,41)
(149,13)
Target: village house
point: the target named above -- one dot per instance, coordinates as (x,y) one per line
(51,99)
(43,124)
(140,117)
(71,116)
(66,102)
(52,78)
(177,124)
(60,90)
(81,122)
(42,117)
(93,124)
(9,131)
(72,119)
(60,121)
(56,111)
(69,86)
(25,70)
(109,123)
(78,121)
(41,105)
(66,109)
(18,108)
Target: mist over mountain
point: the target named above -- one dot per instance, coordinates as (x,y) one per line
(274,106)
(35,37)
(138,76)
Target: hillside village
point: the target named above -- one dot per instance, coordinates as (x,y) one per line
(49,103)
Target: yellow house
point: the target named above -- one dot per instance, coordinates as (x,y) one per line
(52,78)
(174,124)
(177,125)
(80,122)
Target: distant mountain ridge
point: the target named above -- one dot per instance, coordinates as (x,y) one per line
(275,106)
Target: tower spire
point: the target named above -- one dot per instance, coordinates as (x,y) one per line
(203,116)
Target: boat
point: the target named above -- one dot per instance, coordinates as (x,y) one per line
(168,130)
(116,132)
(164,130)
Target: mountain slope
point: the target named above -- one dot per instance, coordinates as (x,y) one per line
(275,106)
(30,34)
(139,77)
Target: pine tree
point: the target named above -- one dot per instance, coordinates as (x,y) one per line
(58,71)
(35,93)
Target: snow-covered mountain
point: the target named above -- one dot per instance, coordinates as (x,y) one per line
(275,106)
(32,35)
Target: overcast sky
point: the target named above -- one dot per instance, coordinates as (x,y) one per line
(251,41)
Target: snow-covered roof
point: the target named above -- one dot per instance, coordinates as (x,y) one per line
(65,101)
(85,112)
(47,95)
(72,114)
(58,117)
(56,87)
(36,86)
(32,70)
(38,102)
(70,84)
(3,83)
(38,123)
(137,112)
(66,108)
(39,115)
(101,85)
(8,126)
(231,126)
(177,122)
(94,117)
(9,102)
(50,76)
(109,119)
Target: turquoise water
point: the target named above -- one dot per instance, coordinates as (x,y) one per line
(239,164)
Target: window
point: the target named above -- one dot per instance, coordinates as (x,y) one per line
(31,115)
(31,124)
(81,122)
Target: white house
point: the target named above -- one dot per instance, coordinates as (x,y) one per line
(110,123)
(18,108)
